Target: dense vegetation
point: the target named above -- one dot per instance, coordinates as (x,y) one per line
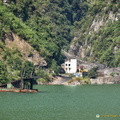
(50,25)
(51,22)
(45,25)
(104,42)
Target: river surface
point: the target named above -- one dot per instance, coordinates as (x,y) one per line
(57,102)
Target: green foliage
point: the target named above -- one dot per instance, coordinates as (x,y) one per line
(84,74)
(54,68)
(3,73)
(27,69)
(45,76)
(50,25)
(41,22)
(93,72)
(106,38)
(47,22)
(104,45)
(10,64)
(84,80)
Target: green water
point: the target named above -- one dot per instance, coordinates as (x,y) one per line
(55,102)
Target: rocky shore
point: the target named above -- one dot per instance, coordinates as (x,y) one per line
(106,80)
(61,80)
(108,76)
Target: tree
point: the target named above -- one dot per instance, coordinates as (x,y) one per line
(93,72)
(3,73)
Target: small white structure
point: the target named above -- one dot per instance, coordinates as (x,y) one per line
(5,2)
(70,66)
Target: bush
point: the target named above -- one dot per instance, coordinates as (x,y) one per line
(93,72)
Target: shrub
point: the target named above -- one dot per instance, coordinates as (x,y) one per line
(93,72)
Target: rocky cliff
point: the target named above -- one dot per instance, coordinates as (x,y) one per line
(18,58)
(96,35)
(13,41)
(106,80)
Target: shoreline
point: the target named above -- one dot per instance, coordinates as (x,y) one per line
(63,80)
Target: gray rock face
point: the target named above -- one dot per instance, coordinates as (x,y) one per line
(80,45)
(97,23)
(89,66)
(106,80)
(86,64)
(76,50)
(28,52)
(110,72)
(111,76)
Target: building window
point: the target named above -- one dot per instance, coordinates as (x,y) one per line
(69,69)
(69,64)
(66,64)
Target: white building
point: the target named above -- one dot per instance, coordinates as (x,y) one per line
(70,66)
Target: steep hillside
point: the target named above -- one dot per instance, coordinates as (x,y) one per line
(97,35)
(15,55)
(33,29)
(44,25)
(27,52)
(41,22)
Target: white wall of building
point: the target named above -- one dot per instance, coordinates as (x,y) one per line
(71,66)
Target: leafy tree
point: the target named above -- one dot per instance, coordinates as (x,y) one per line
(27,69)
(93,72)
(3,73)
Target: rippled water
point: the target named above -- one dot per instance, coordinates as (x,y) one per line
(56,102)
